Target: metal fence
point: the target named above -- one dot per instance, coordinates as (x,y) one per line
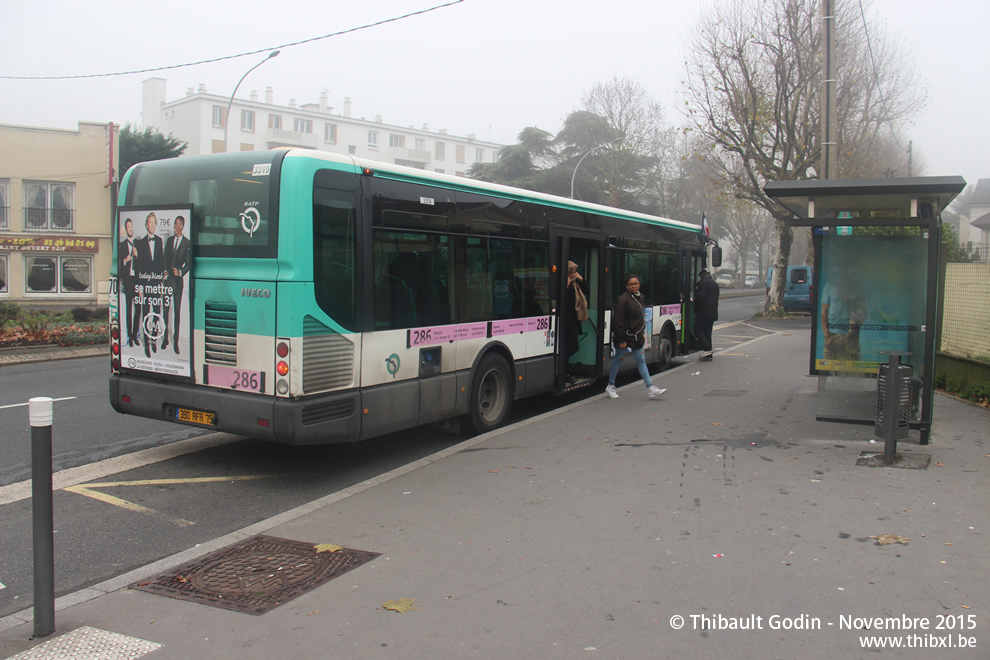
(966,311)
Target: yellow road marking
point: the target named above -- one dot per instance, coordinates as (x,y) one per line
(737,354)
(86,490)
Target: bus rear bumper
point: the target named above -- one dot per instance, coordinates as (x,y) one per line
(321,419)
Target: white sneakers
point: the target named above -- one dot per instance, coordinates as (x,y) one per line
(654,391)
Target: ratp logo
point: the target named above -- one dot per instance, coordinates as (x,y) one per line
(251,216)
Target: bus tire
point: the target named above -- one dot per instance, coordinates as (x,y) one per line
(666,350)
(491,394)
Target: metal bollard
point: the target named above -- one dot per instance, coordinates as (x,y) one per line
(893,403)
(40,411)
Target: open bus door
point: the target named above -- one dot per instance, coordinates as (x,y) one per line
(690,262)
(577,350)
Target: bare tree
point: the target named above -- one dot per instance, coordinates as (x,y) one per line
(752,92)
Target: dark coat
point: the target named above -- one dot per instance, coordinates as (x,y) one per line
(706,298)
(147,263)
(629,321)
(177,258)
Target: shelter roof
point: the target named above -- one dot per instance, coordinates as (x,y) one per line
(866,200)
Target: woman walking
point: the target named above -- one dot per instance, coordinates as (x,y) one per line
(629,335)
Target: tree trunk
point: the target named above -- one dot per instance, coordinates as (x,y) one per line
(785,237)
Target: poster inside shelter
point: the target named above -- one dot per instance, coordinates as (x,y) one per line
(154,257)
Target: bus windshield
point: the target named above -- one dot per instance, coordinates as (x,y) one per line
(234,198)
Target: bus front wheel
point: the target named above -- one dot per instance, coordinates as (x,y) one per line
(666,349)
(491,394)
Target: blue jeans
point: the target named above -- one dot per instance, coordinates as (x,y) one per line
(640,364)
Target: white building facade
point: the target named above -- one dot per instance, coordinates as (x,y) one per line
(200,118)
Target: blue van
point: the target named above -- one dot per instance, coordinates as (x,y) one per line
(798,291)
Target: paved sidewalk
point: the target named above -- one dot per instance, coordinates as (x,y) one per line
(600,529)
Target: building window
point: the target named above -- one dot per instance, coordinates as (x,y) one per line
(62,274)
(219,114)
(218,146)
(420,144)
(303,126)
(373,139)
(247,146)
(330,133)
(48,206)
(458,173)
(479,155)
(459,153)
(438,171)
(351,149)
(275,121)
(3,274)
(440,150)
(247,120)
(396,140)
(4,204)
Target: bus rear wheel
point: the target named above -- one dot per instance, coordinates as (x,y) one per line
(491,394)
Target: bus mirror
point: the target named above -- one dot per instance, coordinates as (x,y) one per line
(716,256)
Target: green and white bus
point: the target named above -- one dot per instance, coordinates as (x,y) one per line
(329,299)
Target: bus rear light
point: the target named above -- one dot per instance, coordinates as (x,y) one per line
(282,386)
(282,368)
(115,364)
(282,349)
(263,423)
(115,333)
(125,398)
(115,349)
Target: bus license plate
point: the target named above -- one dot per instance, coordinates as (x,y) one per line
(195,416)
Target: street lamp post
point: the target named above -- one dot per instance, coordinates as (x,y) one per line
(226,122)
(585,155)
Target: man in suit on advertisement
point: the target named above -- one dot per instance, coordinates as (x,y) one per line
(178,259)
(127,276)
(151,273)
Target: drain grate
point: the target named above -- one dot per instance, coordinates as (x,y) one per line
(726,392)
(256,575)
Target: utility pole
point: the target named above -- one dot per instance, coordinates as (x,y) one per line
(830,154)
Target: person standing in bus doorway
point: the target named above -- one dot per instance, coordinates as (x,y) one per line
(705,311)
(629,336)
(151,274)
(577,307)
(177,264)
(127,275)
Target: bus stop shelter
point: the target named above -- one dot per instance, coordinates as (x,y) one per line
(875,287)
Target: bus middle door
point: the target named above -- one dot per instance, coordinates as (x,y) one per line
(578,347)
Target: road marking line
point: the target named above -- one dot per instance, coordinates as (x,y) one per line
(21,405)
(87,490)
(124,504)
(79,475)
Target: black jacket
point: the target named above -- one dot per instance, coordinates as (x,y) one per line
(629,321)
(706,298)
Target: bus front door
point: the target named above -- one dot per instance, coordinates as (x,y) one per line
(578,346)
(691,261)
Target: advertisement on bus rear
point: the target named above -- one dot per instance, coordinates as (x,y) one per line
(154,257)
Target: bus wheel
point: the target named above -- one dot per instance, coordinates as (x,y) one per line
(491,394)
(666,350)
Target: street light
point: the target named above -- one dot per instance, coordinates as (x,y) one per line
(226,122)
(573,176)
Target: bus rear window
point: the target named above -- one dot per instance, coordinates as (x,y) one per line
(234,198)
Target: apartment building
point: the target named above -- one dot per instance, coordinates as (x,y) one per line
(200,118)
(55,214)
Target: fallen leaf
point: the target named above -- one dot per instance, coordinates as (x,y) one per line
(718,424)
(313,612)
(940,464)
(886,539)
(493,471)
(401,605)
(327,547)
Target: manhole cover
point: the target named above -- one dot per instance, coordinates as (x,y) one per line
(256,575)
(726,392)
(904,461)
